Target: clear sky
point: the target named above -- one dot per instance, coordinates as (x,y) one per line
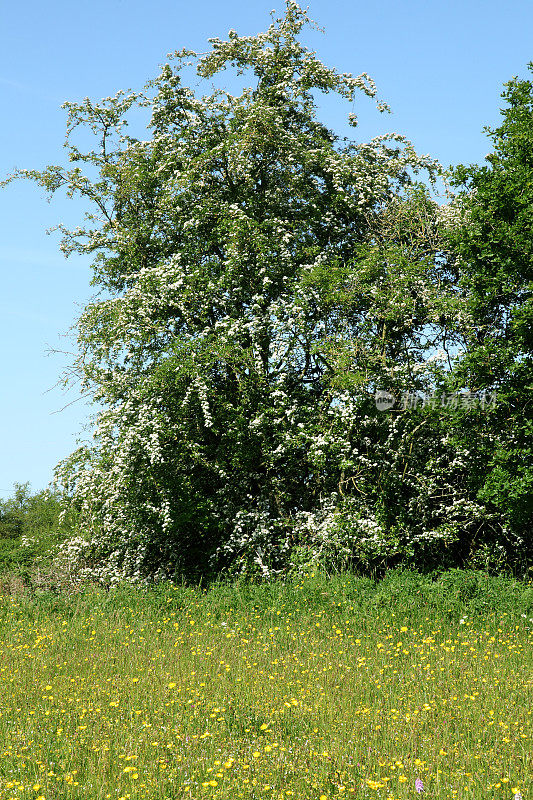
(440,66)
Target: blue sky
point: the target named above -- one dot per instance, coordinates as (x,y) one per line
(440,66)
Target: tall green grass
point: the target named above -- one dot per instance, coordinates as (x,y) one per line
(324,687)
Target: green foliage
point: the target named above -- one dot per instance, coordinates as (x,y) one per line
(260,280)
(31,528)
(493,241)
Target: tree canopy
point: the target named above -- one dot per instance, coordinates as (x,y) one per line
(260,278)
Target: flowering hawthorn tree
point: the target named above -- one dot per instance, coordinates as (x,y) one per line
(259,279)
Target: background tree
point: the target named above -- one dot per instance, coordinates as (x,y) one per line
(30,528)
(492,239)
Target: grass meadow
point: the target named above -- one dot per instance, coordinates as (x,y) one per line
(321,687)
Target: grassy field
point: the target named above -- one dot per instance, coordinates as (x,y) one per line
(319,688)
